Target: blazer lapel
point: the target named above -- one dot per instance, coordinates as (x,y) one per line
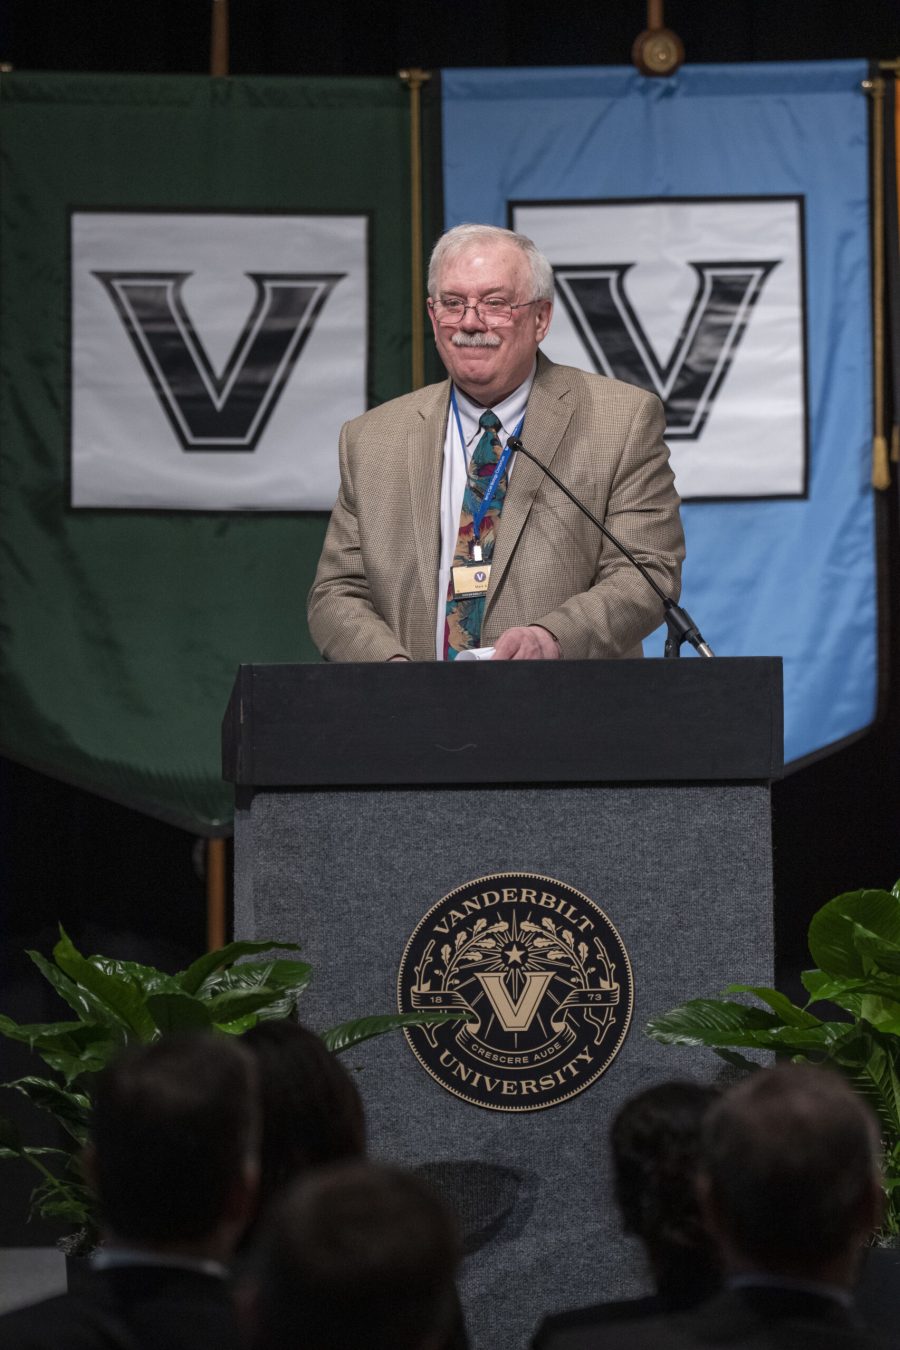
(425,447)
(546,419)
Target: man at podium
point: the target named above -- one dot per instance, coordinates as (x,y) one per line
(444,540)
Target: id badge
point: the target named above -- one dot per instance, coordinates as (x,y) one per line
(470,579)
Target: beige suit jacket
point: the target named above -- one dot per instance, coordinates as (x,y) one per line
(375,591)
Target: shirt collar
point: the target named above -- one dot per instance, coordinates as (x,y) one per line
(763,1280)
(510,411)
(113,1258)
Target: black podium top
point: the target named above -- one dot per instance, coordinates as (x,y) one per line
(396,723)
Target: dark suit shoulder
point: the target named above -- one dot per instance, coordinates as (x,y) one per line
(560,1331)
(752,1319)
(129,1308)
(68,1322)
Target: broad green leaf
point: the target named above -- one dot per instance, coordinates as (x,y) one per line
(293,975)
(69,991)
(716,1023)
(119,997)
(56,1198)
(206,966)
(867,917)
(780,1004)
(37,1035)
(238,1026)
(70,1108)
(82,999)
(824,988)
(147,978)
(234,1003)
(91,1060)
(71,1048)
(709,1021)
(870,1062)
(348,1034)
(882,1013)
(280,1008)
(32,1152)
(872,998)
(882,956)
(178,1012)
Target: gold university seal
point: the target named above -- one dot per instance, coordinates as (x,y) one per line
(544,978)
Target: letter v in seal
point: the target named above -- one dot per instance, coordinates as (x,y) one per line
(544,977)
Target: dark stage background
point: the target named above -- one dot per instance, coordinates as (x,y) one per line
(134,887)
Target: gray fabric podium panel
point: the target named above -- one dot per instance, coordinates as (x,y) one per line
(682,871)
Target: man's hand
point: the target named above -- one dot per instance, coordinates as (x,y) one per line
(527,644)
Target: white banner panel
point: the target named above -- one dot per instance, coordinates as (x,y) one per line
(700,301)
(214,357)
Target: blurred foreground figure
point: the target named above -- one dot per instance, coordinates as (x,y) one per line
(790,1187)
(173,1164)
(311,1112)
(656,1149)
(356,1255)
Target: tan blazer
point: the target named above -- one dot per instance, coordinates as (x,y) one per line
(375,591)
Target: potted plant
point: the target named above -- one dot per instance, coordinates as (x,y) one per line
(120,1003)
(855,942)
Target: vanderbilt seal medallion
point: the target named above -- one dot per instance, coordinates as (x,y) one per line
(544,978)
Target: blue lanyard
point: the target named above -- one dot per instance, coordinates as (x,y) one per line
(495,476)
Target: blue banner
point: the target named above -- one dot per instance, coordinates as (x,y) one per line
(710,238)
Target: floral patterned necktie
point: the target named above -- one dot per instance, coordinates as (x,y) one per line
(465,612)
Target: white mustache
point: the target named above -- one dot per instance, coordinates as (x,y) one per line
(463,339)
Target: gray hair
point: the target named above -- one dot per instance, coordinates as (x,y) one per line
(461,237)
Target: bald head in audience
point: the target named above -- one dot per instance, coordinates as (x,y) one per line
(791,1177)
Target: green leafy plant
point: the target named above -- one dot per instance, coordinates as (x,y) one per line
(855,942)
(121,1003)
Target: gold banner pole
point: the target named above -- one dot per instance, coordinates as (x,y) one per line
(895,243)
(881,473)
(218,47)
(216,927)
(414,78)
(216,870)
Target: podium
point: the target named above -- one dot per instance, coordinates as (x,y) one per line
(366,795)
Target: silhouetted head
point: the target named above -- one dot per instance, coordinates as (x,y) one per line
(173,1140)
(311,1111)
(357,1255)
(792,1172)
(656,1152)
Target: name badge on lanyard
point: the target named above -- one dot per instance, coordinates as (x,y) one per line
(470,579)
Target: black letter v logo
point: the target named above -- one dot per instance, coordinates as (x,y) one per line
(209,411)
(619,346)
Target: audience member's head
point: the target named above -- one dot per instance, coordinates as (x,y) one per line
(173,1144)
(792,1174)
(311,1110)
(357,1255)
(656,1151)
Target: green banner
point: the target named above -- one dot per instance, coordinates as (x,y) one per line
(200,280)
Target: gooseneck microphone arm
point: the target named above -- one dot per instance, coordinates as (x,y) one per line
(680,625)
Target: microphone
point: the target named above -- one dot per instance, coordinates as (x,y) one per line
(680,625)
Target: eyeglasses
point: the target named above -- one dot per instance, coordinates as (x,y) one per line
(492,313)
